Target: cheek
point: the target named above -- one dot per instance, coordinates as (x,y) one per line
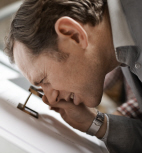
(58,78)
(67,76)
(66,80)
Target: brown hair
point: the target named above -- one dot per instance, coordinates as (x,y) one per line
(33,24)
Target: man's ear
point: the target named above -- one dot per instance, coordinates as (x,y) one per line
(67,27)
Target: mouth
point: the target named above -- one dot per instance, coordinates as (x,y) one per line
(74,99)
(72,96)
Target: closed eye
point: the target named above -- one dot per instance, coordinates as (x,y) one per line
(41,81)
(38,83)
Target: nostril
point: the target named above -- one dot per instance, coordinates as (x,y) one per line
(57,98)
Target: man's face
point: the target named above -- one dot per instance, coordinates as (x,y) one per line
(77,75)
(82,74)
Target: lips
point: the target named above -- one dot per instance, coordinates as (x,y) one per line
(75,99)
(72,96)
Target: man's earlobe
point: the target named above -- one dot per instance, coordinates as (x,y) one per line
(67,28)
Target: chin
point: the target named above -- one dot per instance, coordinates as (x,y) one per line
(92,105)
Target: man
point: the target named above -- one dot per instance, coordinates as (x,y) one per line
(67,47)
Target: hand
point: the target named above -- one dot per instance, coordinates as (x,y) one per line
(79,117)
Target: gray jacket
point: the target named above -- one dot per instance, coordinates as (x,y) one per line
(125,135)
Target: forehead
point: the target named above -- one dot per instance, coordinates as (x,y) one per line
(29,66)
(21,57)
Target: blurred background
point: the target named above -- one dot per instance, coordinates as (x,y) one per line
(8,71)
(4,22)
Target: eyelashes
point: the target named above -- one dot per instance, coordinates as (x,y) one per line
(44,81)
(41,81)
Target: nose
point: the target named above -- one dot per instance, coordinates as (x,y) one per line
(50,93)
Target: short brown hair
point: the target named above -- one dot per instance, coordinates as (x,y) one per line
(33,24)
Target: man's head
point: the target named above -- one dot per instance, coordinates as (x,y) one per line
(64,46)
(34,23)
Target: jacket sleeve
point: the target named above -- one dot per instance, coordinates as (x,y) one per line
(125,135)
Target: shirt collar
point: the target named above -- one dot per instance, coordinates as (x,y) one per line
(120,32)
